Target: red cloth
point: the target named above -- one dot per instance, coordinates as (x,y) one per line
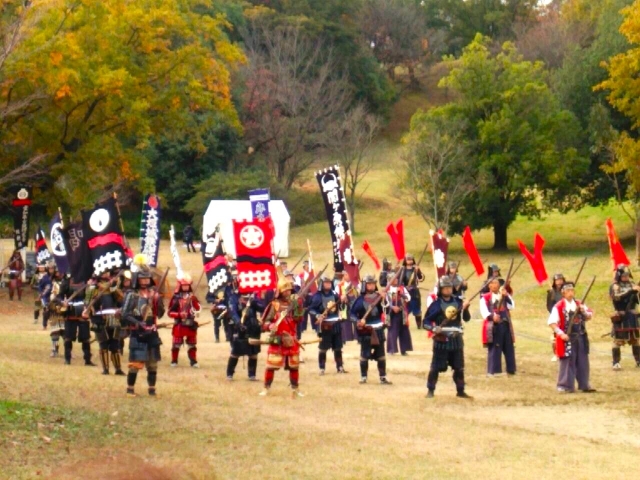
(439,250)
(618,255)
(369,251)
(562,324)
(396,233)
(536,261)
(254,255)
(472,251)
(289,325)
(180,332)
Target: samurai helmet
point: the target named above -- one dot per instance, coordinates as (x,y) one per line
(621,270)
(493,268)
(452,264)
(444,282)
(140,269)
(558,276)
(185,279)
(284,285)
(51,264)
(568,285)
(369,279)
(325,279)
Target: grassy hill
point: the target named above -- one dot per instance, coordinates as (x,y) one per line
(71,422)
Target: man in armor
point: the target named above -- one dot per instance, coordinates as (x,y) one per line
(397,315)
(45,285)
(246,326)
(494,272)
(459,284)
(554,295)
(324,310)
(444,319)
(567,321)
(76,328)
(16,267)
(411,276)
(184,307)
(280,318)
(497,333)
(105,323)
(384,273)
(141,309)
(368,314)
(53,309)
(348,293)
(40,273)
(625,329)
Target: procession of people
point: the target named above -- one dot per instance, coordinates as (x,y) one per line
(93,288)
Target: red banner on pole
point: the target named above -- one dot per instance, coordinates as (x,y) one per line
(618,256)
(536,261)
(396,233)
(472,251)
(254,255)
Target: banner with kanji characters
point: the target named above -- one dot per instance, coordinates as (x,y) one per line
(337,216)
(21,204)
(259,199)
(150,229)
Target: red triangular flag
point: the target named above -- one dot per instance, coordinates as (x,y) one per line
(536,260)
(369,251)
(396,233)
(472,251)
(615,247)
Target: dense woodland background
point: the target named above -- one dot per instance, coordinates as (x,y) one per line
(491,109)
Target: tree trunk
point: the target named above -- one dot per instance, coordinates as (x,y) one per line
(499,235)
(352,215)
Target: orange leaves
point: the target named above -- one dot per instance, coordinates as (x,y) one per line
(64,91)
(56,58)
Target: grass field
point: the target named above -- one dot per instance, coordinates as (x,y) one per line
(63,422)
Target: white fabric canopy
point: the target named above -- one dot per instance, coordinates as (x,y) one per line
(224,211)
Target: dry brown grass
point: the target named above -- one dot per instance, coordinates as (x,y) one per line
(202,426)
(72,422)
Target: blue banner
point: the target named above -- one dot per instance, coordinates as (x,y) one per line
(259,199)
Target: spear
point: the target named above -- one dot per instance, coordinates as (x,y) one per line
(580,272)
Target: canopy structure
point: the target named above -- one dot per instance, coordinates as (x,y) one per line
(222,212)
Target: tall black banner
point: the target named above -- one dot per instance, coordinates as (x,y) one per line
(337,216)
(21,204)
(215,263)
(42,252)
(78,257)
(57,244)
(150,229)
(104,237)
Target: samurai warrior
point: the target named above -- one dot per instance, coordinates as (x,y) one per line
(40,273)
(444,319)
(106,300)
(397,314)
(411,276)
(497,333)
(15,267)
(281,318)
(245,339)
(141,309)
(554,295)
(368,314)
(184,308)
(567,321)
(625,329)
(324,309)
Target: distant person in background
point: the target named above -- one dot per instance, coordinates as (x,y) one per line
(15,267)
(187,235)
